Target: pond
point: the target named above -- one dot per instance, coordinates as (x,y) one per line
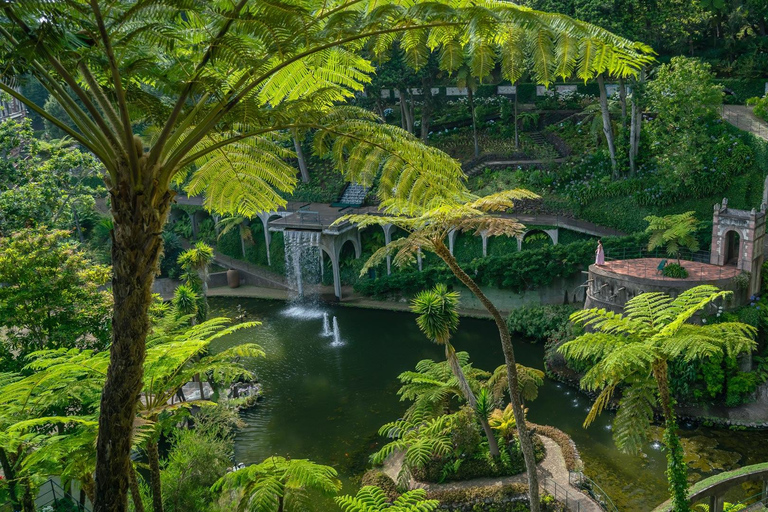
(325,402)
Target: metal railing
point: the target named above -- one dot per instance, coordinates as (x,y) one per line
(562,494)
(755,503)
(54,496)
(581,481)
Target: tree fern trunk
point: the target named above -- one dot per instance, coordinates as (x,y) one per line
(10,478)
(27,501)
(138,505)
(139,212)
(153,456)
(453,361)
(517,136)
(526,444)
(302,160)
(471,99)
(607,130)
(677,471)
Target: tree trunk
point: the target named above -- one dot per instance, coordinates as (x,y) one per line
(87,487)
(406,110)
(634,111)
(677,471)
(153,456)
(453,361)
(426,109)
(27,501)
(139,214)
(471,99)
(517,136)
(10,478)
(526,444)
(607,130)
(138,505)
(623,101)
(302,160)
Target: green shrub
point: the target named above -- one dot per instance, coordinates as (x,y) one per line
(675,270)
(540,322)
(740,387)
(759,107)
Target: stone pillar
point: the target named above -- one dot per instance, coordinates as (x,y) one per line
(451,240)
(336,277)
(387,240)
(554,234)
(267,235)
(717,254)
(193,221)
(754,251)
(418,259)
(519,242)
(484,237)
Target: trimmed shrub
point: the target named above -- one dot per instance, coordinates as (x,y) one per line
(674,270)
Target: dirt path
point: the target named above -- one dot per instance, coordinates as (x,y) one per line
(553,477)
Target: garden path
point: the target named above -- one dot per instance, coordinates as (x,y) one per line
(553,475)
(742,117)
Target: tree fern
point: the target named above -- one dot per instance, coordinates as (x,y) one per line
(633,350)
(278,484)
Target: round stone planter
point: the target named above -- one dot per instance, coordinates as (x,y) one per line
(233,278)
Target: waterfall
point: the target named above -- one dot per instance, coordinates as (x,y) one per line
(301,259)
(336,334)
(326,327)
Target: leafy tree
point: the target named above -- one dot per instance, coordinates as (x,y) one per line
(504,422)
(372,499)
(676,232)
(684,98)
(633,350)
(428,226)
(438,319)
(278,484)
(220,85)
(50,296)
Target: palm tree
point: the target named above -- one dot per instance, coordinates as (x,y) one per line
(372,499)
(279,485)
(437,318)
(633,350)
(207,94)
(428,225)
(433,384)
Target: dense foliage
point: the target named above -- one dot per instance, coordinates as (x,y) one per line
(51,296)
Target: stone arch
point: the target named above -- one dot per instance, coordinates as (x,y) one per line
(196,218)
(733,242)
(551,233)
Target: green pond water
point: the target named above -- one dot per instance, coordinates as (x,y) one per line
(325,403)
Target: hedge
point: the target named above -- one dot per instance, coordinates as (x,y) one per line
(519,271)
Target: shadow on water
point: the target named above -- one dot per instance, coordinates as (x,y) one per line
(326,401)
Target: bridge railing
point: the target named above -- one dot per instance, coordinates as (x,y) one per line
(581,481)
(562,494)
(52,496)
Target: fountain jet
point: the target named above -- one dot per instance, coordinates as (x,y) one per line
(326,325)
(336,334)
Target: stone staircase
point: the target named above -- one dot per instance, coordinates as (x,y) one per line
(353,195)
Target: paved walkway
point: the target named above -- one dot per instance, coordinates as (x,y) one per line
(553,477)
(741,116)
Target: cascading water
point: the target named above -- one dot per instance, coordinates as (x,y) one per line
(336,334)
(302,262)
(326,325)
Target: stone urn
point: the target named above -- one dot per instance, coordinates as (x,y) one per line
(233,278)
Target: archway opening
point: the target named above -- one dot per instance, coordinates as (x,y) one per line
(536,239)
(732,248)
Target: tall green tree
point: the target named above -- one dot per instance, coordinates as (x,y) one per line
(206,92)
(51,296)
(632,351)
(438,318)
